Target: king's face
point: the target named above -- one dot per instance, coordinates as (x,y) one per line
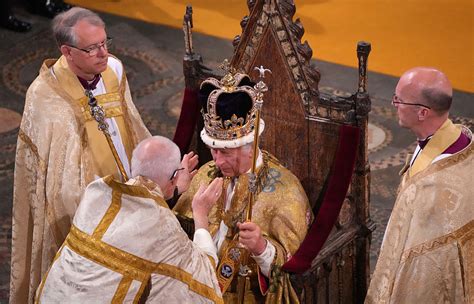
(233,162)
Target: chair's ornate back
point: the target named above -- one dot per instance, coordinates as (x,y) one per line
(302,129)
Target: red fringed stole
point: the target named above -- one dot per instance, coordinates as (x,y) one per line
(339,180)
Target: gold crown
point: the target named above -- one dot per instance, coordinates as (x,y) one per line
(235,127)
(236,130)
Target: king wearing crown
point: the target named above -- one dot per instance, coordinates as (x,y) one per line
(256,229)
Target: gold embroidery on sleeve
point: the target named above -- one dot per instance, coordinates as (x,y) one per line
(131,265)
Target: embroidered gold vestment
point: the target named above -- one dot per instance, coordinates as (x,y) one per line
(427,254)
(126,245)
(281,210)
(59,152)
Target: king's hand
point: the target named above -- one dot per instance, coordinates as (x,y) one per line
(250,236)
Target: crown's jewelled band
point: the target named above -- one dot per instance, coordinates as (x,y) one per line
(215,130)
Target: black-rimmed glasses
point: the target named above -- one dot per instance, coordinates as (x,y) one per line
(94,49)
(175,173)
(398,101)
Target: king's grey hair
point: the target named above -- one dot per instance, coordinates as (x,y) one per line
(63,24)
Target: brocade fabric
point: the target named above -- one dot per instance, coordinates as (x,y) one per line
(427,254)
(125,246)
(281,210)
(53,165)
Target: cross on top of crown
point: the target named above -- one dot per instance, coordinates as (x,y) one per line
(227,67)
(228,81)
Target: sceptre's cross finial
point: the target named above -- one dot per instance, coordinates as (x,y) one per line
(261,71)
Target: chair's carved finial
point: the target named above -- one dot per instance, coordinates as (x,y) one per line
(188,31)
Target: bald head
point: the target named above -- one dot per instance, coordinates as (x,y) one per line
(428,86)
(156,158)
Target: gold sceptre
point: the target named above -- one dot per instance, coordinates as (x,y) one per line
(244,269)
(99,115)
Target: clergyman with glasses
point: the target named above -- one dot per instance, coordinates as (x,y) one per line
(60,150)
(428,248)
(126,245)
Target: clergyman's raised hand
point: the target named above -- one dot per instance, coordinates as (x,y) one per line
(189,163)
(204,199)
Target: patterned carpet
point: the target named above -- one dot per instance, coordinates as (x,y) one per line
(446,28)
(152,56)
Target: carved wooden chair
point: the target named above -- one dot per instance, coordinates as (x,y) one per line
(320,137)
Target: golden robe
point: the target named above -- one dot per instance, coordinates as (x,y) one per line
(126,245)
(427,254)
(58,154)
(281,210)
